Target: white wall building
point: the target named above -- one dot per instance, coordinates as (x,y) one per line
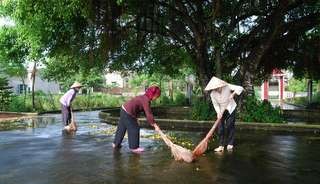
(115,79)
(40,84)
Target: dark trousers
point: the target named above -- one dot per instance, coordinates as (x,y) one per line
(226,128)
(66,115)
(129,123)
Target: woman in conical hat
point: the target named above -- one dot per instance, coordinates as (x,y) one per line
(215,83)
(221,94)
(66,102)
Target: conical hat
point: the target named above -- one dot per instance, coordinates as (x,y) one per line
(76,85)
(215,83)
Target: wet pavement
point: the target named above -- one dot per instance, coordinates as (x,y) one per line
(284,105)
(40,153)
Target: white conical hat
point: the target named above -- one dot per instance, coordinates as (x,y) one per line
(76,85)
(215,83)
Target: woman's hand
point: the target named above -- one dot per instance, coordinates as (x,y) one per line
(156,127)
(232,95)
(219,115)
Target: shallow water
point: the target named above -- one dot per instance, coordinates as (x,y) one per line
(41,153)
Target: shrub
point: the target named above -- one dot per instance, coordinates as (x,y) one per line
(255,110)
(202,110)
(165,100)
(19,104)
(180,99)
(51,102)
(97,101)
(304,101)
(5,94)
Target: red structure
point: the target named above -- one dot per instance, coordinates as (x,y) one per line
(265,87)
(265,90)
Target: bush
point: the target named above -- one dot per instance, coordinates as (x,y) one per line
(165,100)
(5,94)
(96,101)
(180,99)
(49,102)
(19,104)
(202,110)
(304,101)
(255,110)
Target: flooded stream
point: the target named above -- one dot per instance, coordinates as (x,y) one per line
(39,153)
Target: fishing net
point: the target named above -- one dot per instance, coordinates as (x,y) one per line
(179,153)
(203,145)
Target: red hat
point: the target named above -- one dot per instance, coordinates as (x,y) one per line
(153,91)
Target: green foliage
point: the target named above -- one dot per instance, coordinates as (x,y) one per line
(158,57)
(49,102)
(13,52)
(180,99)
(66,70)
(304,101)
(5,94)
(164,36)
(144,80)
(307,53)
(51,32)
(41,21)
(165,100)
(296,85)
(315,104)
(20,104)
(97,100)
(259,111)
(202,110)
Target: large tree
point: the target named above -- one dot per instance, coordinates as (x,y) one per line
(213,37)
(13,54)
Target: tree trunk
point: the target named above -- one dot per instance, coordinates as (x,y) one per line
(309,91)
(204,68)
(170,88)
(33,77)
(246,81)
(160,86)
(218,64)
(189,92)
(24,91)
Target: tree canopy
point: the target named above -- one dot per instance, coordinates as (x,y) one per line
(210,37)
(13,52)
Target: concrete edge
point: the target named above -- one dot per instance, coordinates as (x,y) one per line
(193,125)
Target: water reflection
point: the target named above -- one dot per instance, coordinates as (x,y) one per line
(41,153)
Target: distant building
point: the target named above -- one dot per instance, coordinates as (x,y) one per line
(115,79)
(118,84)
(40,84)
(275,86)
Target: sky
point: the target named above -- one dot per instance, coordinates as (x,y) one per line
(5,21)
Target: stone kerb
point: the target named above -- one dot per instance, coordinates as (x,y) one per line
(307,115)
(111,116)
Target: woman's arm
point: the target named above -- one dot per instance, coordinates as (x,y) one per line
(148,112)
(236,89)
(216,106)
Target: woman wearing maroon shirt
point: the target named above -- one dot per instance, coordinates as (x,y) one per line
(128,118)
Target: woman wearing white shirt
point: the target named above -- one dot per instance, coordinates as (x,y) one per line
(222,94)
